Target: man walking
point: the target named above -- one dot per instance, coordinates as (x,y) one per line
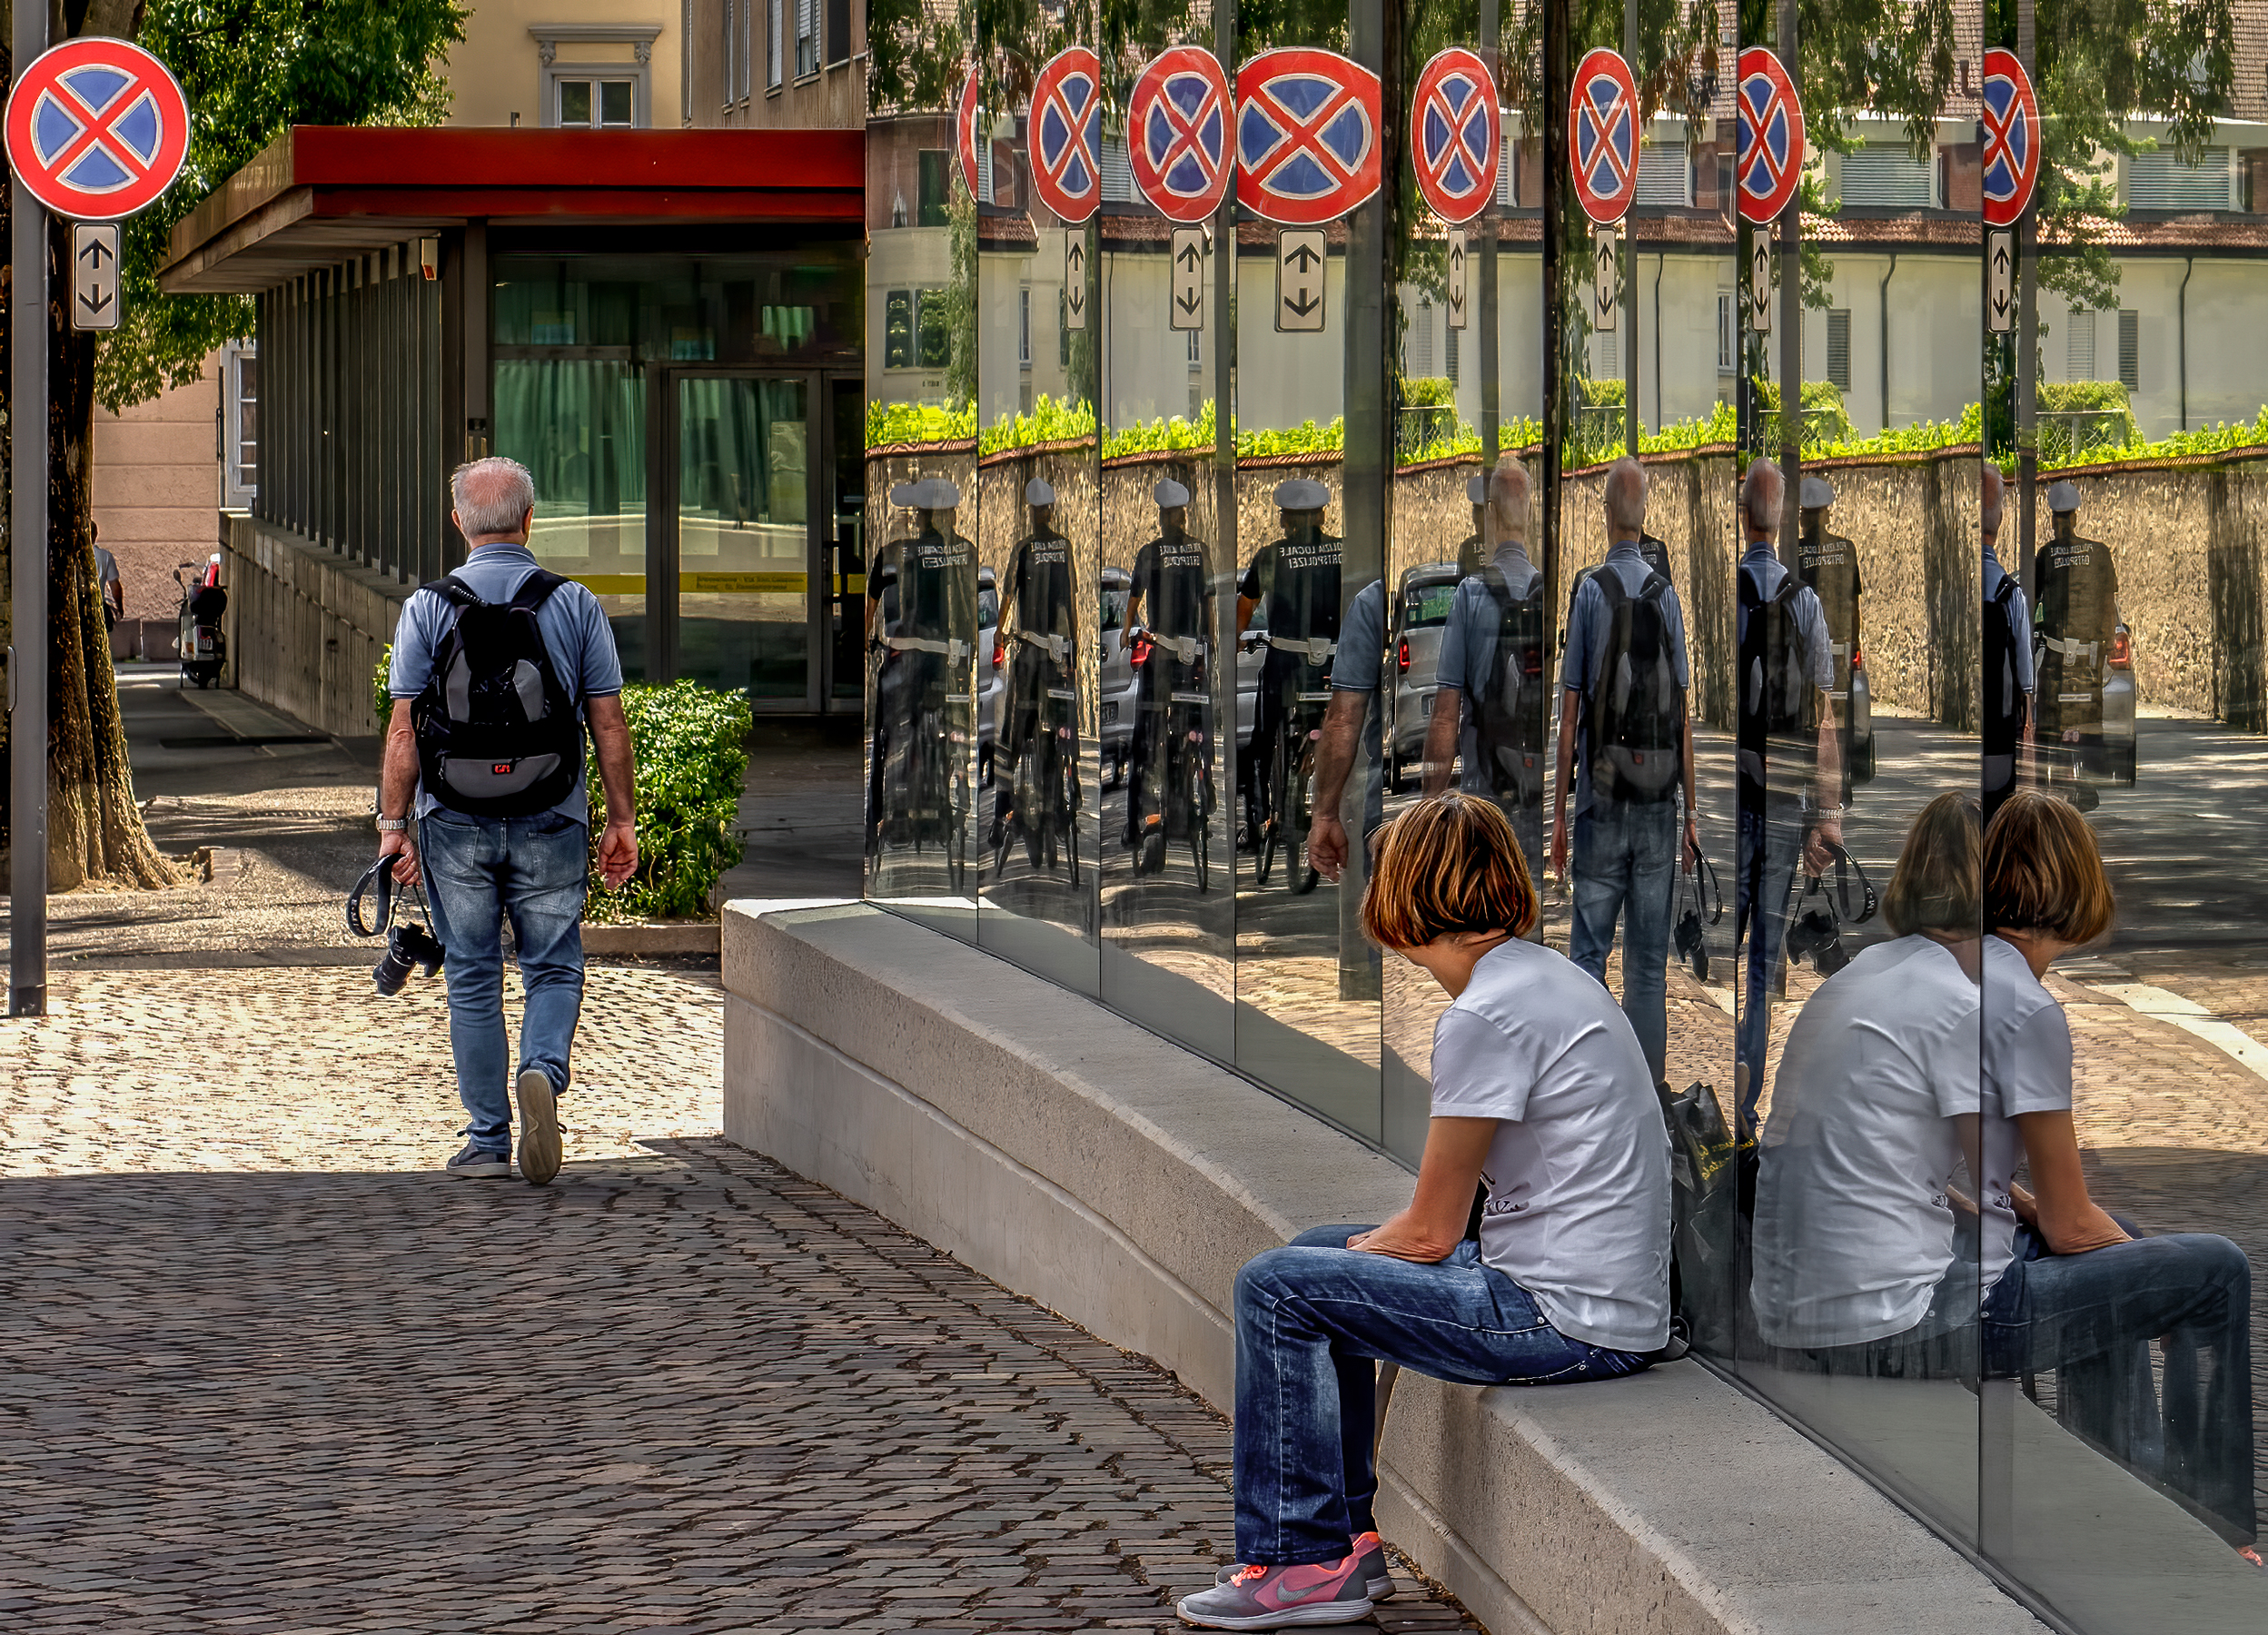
(1627,744)
(508,836)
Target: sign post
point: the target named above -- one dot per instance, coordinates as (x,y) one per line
(96,129)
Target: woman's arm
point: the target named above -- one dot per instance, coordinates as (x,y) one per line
(1435,1224)
(2065,1216)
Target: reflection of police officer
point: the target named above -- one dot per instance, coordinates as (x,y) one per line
(1169,610)
(2075,587)
(928,627)
(1298,578)
(1828,563)
(1038,613)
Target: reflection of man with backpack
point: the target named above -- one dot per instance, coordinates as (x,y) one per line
(1491,703)
(1790,761)
(1628,744)
(499,666)
(2005,717)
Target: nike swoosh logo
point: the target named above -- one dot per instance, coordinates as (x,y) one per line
(1290,1595)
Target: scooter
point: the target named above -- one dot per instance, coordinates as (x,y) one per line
(202,647)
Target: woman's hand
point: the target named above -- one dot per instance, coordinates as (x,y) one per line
(1435,1224)
(1405,1239)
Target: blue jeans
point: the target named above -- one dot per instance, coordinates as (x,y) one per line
(478,871)
(1772,843)
(2092,1318)
(1626,868)
(1312,1319)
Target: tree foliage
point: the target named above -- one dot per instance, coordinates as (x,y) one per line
(252,69)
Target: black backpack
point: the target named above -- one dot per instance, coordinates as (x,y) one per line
(1510,716)
(1778,722)
(1634,713)
(497,734)
(2004,701)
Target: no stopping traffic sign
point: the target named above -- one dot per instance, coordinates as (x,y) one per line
(96,129)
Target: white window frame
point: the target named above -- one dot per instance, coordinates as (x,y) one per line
(235,494)
(774,44)
(636,39)
(809,46)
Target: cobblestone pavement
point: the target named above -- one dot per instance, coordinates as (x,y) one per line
(269,1372)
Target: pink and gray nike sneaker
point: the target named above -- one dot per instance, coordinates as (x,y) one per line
(1281,1597)
(1377,1577)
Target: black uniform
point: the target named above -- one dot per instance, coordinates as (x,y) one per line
(1298,580)
(1174,583)
(2075,590)
(1045,609)
(1828,563)
(927,587)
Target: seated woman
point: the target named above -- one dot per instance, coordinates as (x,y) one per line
(1860,1261)
(1541,1091)
(2079,1295)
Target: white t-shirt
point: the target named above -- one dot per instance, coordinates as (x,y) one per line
(1579,1173)
(1854,1227)
(2027,1069)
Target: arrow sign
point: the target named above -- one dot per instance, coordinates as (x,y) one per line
(1075,281)
(2000,282)
(1760,285)
(94,275)
(1456,299)
(1301,257)
(1606,277)
(96,129)
(1188,309)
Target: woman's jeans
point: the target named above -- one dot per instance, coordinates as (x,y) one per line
(480,871)
(1312,1321)
(2092,1318)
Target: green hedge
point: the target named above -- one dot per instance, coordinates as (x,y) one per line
(689,745)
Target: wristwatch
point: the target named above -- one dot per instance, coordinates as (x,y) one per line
(394,826)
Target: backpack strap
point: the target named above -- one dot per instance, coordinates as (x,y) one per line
(452,590)
(535,591)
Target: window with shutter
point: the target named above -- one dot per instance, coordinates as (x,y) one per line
(774,39)
(1118,186)
(807,38)
(730,13)
(1452,360)
(838,31)
(2130,351)
(1507,172)
(1838,347)
(1664,174)
(2079,345)
(1884,174)
(746,9)
(1421,344)
(1728,333)
(2161,180)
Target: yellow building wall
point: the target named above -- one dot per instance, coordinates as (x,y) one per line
(496,71)
(156,485)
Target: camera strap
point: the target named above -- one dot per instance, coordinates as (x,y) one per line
(381,876)
(1707,896)
(1840,899)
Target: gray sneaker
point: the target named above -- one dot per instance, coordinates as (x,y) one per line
(1378,1578)
(538,1126)
(476,1165)
(1280,1598)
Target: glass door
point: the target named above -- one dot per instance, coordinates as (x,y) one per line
(744,538)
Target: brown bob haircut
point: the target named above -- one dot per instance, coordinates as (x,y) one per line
(1935,887)
(2043,872)
(1450,863)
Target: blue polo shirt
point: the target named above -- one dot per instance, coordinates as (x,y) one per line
(575,633)
(1357,666)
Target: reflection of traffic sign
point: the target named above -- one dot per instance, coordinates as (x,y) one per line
(1760,286)
(1455,134)
(2008,114)
(94,275)
(1177,134)
(1067,125)
(967,131)
(1459,302)
(1606,275)
(96,129)
(1302,258)
(1769,162)
(2000,282)
(1306,137)
(1075,281)
(1602,135)
(1188,305)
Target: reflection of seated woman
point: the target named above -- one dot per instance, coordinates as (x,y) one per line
(1539,1088)
(2082,1296)
(1876,1096)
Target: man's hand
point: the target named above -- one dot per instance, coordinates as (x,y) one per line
(618,852)
(1828,832)
(1327,845)
(399,846)
(1692,840)
(1559,847)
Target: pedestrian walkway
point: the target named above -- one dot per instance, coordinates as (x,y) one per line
(268,1371)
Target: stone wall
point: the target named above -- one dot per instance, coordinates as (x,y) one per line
(305,626)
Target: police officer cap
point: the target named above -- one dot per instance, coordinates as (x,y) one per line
(1169,494)
(935,493)
(1302,494)
(1037,493)
(1818,493)
(902,494)
(1477,489)
(2062,496)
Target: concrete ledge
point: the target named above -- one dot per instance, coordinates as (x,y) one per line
(693,936)
(1122,1180)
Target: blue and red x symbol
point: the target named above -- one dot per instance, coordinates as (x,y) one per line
(1067,134)
(1602,124)
(1770,161)
(1179,118)
(1306,135)
(1456,135)
(2009,117)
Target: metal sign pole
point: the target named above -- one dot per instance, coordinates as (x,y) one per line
(28,530)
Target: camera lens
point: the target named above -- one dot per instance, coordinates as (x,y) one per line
(392,969)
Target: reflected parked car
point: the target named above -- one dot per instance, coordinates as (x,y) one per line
(1860,717)
(991,669)
(2098,713)
(1252,652)
(1121,683)
(1419,614)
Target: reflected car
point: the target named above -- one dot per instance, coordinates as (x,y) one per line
(1861,720)
(1121,683)
(2102,713)
(991,668)
(1419,614)
(1252,652)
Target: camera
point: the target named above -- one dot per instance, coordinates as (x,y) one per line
(1817,935)
(408,946)
(1692,947)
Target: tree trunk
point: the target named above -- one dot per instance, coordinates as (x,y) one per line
(94,830)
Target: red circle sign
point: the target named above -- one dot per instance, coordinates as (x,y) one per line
(1307,144)
(1602,135)
(2009,117)
(1770,161)
(1177,134)
(1456,134)
(1066,135)
(968,121)
(97,129)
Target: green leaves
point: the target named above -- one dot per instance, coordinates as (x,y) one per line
(689,743)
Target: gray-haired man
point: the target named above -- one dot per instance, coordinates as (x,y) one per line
(483,868)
